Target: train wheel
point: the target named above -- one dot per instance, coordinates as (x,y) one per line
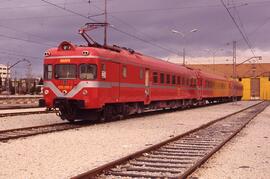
(68,112)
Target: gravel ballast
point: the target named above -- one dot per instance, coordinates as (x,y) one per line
(245,156)
(12,122)
(68,153)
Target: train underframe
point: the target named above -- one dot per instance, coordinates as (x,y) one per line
(72,110)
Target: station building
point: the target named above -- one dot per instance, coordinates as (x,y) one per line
(254,77)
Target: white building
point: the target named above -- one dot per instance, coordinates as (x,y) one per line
(4,72)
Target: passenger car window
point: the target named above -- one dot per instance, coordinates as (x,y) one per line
(162,78)
(168,80)
(178,80)
(173,79)
(141,73)
(155,77)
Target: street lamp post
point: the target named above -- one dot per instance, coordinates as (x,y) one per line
(183,36)
(214,52)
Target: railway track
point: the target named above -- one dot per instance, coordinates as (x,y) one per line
(24,113)
(6,135)
(178,157)
(10,134)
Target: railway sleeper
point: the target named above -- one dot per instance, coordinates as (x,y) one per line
(176,149)
(180,158)
(186,147)
(152,169)
(170,160)
(131,174)
(178,154)
(152,164)
(190,151)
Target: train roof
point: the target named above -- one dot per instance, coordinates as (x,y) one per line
(118,54)
(210,75)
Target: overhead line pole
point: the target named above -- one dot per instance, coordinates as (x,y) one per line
(106,23)
(234,70)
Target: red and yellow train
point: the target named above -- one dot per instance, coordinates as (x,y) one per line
(88,82)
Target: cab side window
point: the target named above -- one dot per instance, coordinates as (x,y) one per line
(103,71)
(47,72)
(124,72)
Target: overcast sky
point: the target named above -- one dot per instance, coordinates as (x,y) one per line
(29,27)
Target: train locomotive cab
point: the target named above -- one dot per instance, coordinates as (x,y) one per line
(70,80)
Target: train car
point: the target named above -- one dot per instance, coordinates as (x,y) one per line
(88,82)
(215,88)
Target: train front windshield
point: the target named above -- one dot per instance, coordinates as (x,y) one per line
(65,71)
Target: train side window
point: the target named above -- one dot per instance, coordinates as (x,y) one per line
(47,72)
(103,71)
(155,77)
(183,81)
(178,80)
(168,80)
(141,73)
(124,71)
(161,78)
(173,79)
(187,81)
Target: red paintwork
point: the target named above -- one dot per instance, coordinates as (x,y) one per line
(114,61)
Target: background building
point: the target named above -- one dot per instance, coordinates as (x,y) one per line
(254,77)
(4,73)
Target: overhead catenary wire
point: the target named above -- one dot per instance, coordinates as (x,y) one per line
(27,33)
(25,40)
(132,27)
(239,29)
(114,28)
(4,52)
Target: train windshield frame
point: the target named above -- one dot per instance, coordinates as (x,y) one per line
(65,71)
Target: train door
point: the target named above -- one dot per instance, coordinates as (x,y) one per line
(199,88)
(147,86)
(115,77)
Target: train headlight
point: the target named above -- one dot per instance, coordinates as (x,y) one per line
(47,54)
(46,92)
(85,92)
(85,53)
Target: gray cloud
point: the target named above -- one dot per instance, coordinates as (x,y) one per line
(43,26)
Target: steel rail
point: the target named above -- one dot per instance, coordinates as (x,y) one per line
(36,130)
(9,134)
(25,113)
(113,169)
